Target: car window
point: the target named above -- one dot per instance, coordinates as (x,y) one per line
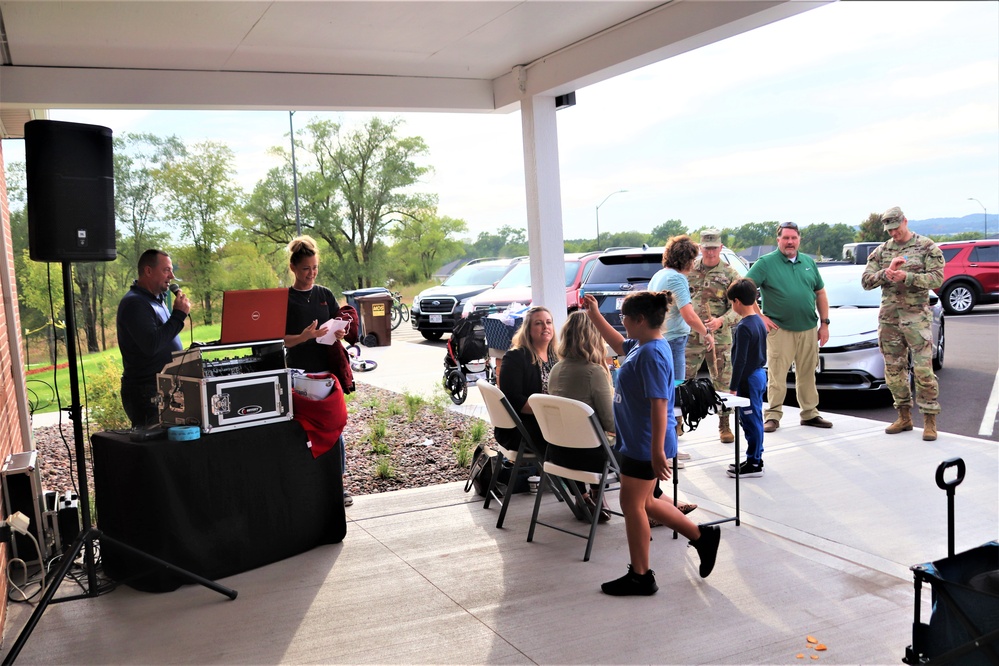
(843,288)
(586,271)
(984,254)
(625,268)
(950,252)
(571,268)
(736,262)
(475,275)
(519,276)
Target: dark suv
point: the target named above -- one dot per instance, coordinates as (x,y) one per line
(617,273)
(971,275)
(436,310)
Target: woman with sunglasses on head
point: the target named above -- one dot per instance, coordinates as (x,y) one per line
(646,437)
(526,369)
(309,307)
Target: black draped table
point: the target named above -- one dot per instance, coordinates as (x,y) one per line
(216,506)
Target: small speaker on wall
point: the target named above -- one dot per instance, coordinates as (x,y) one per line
(69,168)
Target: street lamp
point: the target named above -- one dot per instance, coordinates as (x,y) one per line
(986,215)
(598,213)
(294,175)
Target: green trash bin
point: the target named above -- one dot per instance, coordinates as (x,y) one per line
(376,318)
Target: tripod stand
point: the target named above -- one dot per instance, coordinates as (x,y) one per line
(85,540)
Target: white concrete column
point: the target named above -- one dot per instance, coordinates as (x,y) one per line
(544,204)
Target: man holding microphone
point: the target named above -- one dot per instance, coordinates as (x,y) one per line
(148,334)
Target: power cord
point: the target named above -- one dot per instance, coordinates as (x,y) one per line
(19,523)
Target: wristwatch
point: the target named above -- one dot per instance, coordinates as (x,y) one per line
(826,322)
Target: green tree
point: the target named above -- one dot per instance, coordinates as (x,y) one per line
(40,290)
(871,230)
(425,240)
(270,209)
(139,161)
(663,232)
(203,198)
(506,242)
(623,239)
(358,186)
(822,239)
(754,233)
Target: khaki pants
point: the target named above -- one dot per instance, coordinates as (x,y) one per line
(783,348)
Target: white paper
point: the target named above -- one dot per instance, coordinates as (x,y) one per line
(332,326)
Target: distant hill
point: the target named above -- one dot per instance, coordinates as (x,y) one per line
(939,226)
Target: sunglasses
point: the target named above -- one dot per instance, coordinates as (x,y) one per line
(786,225)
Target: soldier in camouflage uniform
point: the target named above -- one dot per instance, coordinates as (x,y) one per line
(906,268)
(709,281)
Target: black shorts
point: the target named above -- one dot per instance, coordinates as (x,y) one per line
(638,469)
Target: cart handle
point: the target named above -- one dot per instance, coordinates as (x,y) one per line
(949,486)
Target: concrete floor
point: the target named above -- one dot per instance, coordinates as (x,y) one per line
(423,576)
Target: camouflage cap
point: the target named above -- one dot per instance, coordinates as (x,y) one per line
(711,238)
(892,218)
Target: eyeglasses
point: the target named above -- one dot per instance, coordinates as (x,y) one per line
(787,225)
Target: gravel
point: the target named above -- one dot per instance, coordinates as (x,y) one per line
(420,451)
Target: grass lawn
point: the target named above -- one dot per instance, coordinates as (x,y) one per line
(42,386)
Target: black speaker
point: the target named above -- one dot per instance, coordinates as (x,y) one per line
(69,169)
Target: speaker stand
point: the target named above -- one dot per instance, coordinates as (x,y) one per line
(85,540)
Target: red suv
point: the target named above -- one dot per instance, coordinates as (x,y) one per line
(971,275)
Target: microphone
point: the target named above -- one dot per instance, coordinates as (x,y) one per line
(174,288)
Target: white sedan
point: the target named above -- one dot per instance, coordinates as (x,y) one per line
(851,360)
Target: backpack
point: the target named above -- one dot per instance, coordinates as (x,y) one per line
(349,314)
(480,473)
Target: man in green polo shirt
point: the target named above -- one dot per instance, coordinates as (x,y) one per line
(792,291)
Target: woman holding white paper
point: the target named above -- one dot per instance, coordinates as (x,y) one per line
(310,306)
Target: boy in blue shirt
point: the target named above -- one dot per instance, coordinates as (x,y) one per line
(749,379)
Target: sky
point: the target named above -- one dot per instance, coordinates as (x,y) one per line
(827,116)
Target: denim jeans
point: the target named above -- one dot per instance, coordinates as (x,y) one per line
(679,348)
(752,417)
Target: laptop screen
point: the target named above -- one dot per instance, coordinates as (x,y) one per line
(252,315)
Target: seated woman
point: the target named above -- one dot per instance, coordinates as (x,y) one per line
(526,368)
(582,375)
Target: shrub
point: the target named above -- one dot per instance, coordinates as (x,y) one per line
(414,403)
(103,406)
(384,468)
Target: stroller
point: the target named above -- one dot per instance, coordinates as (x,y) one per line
(467,358)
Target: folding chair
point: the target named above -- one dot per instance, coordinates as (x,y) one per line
(502,415)
(572,424)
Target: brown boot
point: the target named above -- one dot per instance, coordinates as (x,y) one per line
(724,432)
(929,427)
(902,423)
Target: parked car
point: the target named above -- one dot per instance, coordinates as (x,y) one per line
(617,273)
(851,360)
(436,310)
(515,286)
(971,275)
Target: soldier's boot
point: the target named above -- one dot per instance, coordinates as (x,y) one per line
(902,423)
(724,432)
(929,427)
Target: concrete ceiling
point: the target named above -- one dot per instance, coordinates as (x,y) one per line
(466,56)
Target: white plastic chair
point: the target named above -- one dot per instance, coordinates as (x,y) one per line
(573,425)
(502,415)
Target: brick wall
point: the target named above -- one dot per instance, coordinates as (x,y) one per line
(11,437)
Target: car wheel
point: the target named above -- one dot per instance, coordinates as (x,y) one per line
(433,336)
(938,349)
(958,299)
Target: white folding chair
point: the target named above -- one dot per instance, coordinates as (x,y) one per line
(573,425)
(502,415)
